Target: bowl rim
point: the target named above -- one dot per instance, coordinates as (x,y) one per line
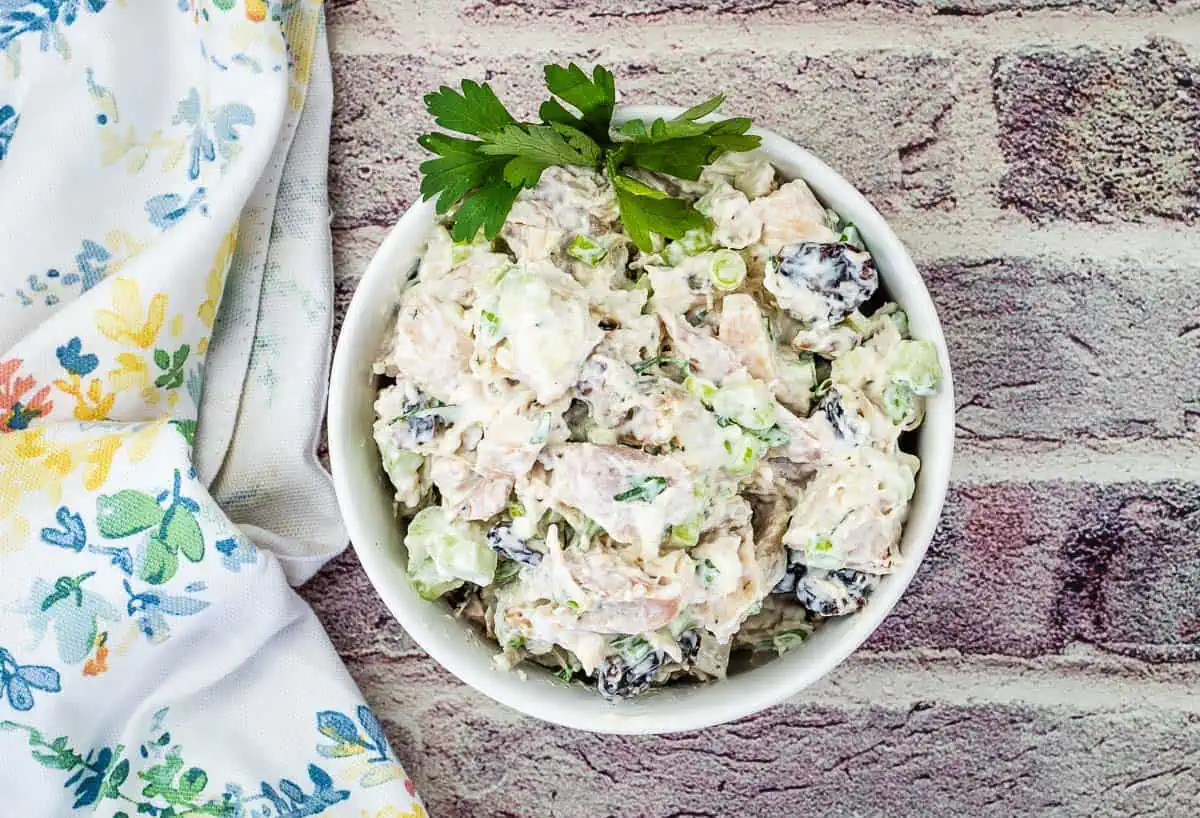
(511,688)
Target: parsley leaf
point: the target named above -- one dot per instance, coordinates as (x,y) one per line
(543,144)
(486,207)
(461,168)
(483,176)
(593,97)
(476,110)
(645,210)
(642,489)
(682,146)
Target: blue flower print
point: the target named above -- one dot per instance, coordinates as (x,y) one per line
(166,210)
(8,126)
(236,552)
(292,802)
(74,611)
(19,681)
(151,609)
(120,557)
(43,17)
(223,123)
(71,356)
(92,260)
(72,535)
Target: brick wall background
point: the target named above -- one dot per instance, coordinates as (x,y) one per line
(1041,158)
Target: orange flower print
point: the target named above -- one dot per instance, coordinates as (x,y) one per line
(16,413)
(97,664)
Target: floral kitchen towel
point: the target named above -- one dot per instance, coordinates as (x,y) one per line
(165,306)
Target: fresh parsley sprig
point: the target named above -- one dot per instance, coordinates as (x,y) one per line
(484,175)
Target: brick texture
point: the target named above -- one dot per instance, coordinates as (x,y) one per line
(1099,135)
(1009,132)
(1028,569)
(897,151)
(766,11)
(471,759)
(1039,348)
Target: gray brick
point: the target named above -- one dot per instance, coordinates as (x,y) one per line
(373,155)
(1131,573)
(472,759)
(1097,135)
(1026,569)
(355,617)
(1042,351)
(898,150)
(991,580)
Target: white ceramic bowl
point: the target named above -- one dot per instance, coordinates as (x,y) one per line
(365,494)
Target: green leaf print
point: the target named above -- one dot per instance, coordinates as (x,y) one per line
(192,783)
(160,563)
(172,366)
(183,534)
(126,512)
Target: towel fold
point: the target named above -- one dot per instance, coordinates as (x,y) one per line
(165,314)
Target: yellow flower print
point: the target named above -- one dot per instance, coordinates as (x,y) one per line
(99,458)
(256,10)
(123,247)
(94,404)
(151,395)
(414,811)
(124,324)
(29,464)
(301,34)
(176,325)
(141,440)
(14,535)
(132,372)
(207,311)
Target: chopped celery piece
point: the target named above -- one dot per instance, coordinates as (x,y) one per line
(915,365)
(443,553)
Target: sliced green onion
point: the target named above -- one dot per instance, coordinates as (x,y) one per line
(707,572)
(489,323)
(587,250)
(728,270)
(773,437)
(851,236)
(702,388)
(744,452)
(687,534)
(747,403)
(898,402)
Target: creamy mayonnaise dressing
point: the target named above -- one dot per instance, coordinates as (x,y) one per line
(626,465)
